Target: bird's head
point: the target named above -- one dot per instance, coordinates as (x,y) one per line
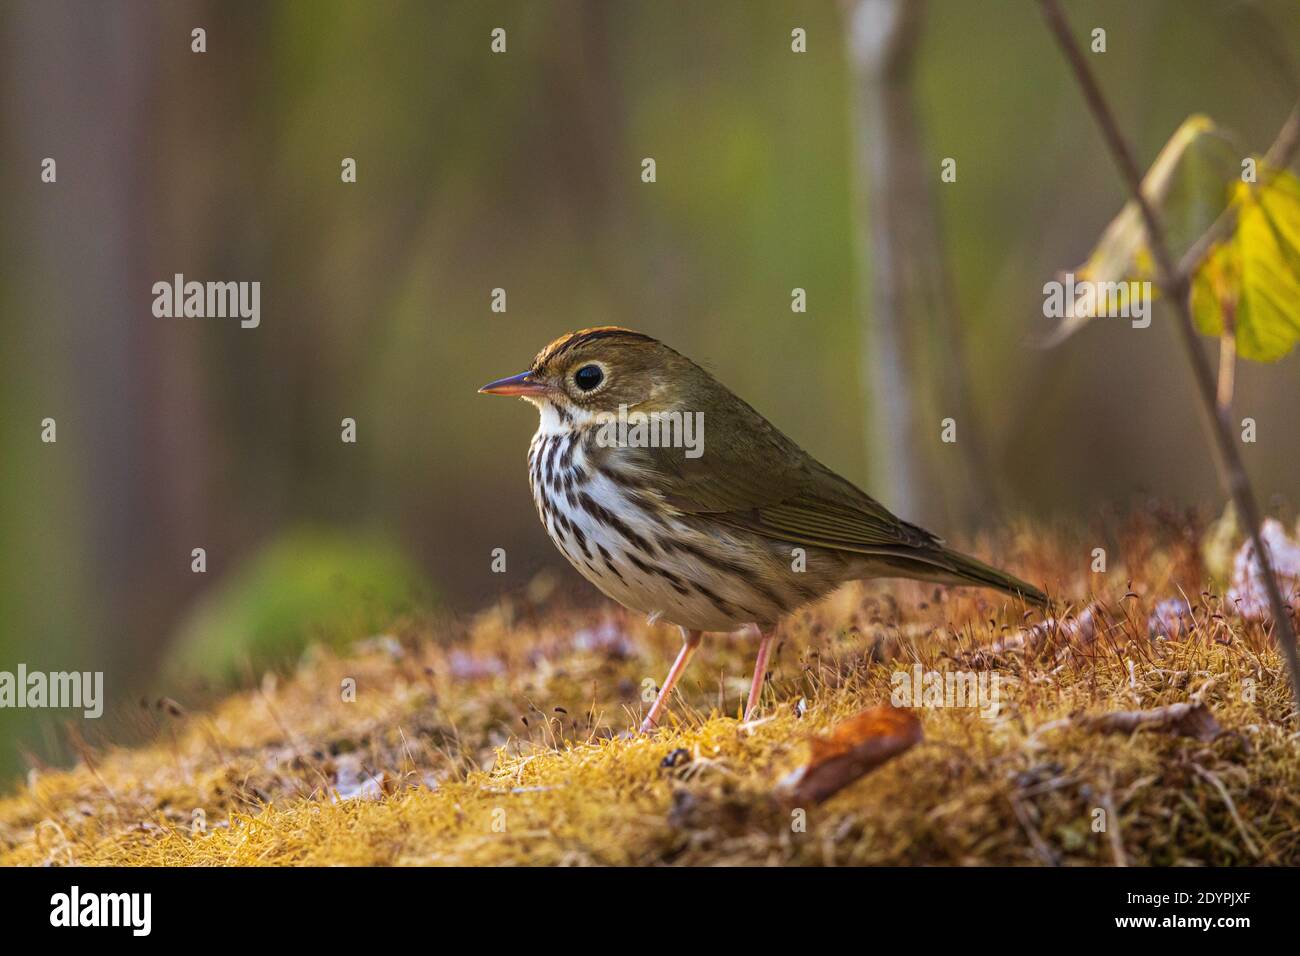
(594,371)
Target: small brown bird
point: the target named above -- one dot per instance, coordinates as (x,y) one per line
(711,535)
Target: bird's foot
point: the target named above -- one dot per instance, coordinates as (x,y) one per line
(760,672)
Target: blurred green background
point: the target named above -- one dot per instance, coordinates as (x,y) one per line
(522,171)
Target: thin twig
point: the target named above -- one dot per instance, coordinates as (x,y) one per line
(1232,807)
(1112,827)
(1284,148)
(1040,846)
(1175,285)
(1227,357)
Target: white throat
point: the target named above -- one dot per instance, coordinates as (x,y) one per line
(554,421)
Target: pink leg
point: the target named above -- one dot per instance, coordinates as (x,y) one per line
(760,672)
(690,641)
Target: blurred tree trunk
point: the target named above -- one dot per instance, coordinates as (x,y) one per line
(133,423)
(912,362)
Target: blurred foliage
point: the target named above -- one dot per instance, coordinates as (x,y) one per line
(306,586)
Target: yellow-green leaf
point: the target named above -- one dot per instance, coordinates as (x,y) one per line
(1255,275)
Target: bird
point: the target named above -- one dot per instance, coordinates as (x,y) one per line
(725,524)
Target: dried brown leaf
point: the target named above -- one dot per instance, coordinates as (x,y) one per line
(854,748)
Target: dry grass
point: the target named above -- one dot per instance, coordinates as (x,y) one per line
(503,742)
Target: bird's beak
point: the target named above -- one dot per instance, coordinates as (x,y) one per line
(522,384)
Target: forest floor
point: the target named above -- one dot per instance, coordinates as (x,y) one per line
(503,740)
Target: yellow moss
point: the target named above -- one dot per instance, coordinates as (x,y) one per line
(507,745)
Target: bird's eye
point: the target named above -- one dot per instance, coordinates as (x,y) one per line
(588,377)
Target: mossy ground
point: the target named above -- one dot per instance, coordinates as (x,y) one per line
(502,741)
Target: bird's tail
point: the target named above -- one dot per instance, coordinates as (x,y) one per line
(967,570)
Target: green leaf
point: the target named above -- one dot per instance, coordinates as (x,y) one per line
(1254,277)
